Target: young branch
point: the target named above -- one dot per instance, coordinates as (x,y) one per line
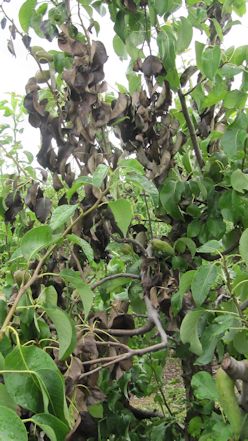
(191,129)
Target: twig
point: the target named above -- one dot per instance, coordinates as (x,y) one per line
(78,264)
(115,276)
(191,129)
(19,166)
(148,215)
(131,353)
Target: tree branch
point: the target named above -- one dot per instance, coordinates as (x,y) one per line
(191,129)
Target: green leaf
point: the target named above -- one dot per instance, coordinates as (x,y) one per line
(185,242)
(25,14)
(99,175)
(123,214)
(184,286)
(55,429)
(34,381)
(170,195)
(184,34)
(212,246)
(166,44)
(134,82)
(11,426)
(243,246)
(36,239)
(199,48)
(204,278)
(85,293)
(61,215)
(204,386)
(65,329)
(5,398)
(239,181)
(96,410)
(48,297)
(189,331)
(235,99)
(119,47)
(210,60)
(145,184)
(160,6)
(86,247)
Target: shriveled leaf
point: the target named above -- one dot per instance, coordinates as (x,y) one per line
(85,293)
(25,14)
(189,331)
(203,280)
(123,213)
(42,209)
(65,329)
(86,247)
(61,215)
(35,240)
(11,426)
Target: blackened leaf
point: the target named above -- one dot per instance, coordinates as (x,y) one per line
(12,29)
(26,41)
(151,66)
(57,184)
(187,74)
(3,22)
(11,47)
(42,209)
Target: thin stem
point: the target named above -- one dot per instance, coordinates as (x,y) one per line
(191,129)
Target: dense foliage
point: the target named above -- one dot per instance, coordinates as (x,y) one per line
(128,243)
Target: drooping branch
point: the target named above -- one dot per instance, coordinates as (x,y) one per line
(191,129)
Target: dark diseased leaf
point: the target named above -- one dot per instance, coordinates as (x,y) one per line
(11,48)
(26,39)
(151,66)
(65,329)
(42,209)
(11,426)
(3,22)
(202,282)
(25,14)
